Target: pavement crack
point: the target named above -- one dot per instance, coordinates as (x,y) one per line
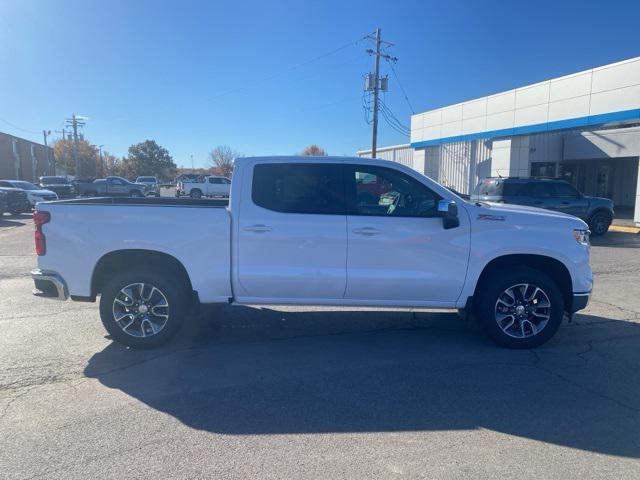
(591,391)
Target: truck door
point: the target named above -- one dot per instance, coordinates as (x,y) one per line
(215,186)
(116,187)
(291,233)
(570,200)
(398,248)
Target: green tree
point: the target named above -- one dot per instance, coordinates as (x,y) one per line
(148,158)
(87,157)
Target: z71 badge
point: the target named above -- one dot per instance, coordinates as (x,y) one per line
(492,218)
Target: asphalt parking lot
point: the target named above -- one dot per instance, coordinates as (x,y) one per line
(318,393)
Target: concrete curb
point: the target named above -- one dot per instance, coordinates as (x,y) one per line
(624,229)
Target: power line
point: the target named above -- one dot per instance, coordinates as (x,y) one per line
(406,97)
(393,121)
(17,127)
(293,67)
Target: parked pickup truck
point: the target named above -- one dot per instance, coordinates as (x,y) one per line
(112,187)
(297,232)
(212,186)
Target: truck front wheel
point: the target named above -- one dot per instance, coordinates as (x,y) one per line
(520,307)
(143,310)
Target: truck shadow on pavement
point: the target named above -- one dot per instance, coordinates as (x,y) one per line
(263,371)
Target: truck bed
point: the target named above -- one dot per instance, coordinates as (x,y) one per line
(197,233)
(146,201)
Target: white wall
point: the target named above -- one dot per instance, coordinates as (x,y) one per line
(611,88)
(396,153)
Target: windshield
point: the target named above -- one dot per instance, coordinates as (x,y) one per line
(25,185)
(146,179)
(488,188)
(53,180)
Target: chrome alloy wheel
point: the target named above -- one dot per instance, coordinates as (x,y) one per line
(522,310)
(141,310)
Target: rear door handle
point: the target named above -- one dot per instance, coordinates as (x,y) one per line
(367,231)
(257,228)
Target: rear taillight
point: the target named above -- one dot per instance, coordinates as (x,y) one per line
(39,219)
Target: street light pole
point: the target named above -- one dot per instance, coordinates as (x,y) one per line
(102,172)
(46,152)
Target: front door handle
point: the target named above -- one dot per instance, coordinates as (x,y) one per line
(257,228)
(367,231)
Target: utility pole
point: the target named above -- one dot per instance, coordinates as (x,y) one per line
(376,84)
(75,122)
(46,151)
(376,92)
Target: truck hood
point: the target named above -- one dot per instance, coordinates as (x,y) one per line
(40,192)
(521,214)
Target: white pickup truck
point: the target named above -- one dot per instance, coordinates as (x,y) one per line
(212,186)
(311,231)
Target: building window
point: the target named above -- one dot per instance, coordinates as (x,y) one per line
(543,169)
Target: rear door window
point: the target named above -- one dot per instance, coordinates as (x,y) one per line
(514,189)
(565,190)
(299,188)
(542,190)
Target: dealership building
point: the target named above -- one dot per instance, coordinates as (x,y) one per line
(584,127)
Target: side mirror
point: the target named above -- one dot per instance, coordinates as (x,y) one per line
(448,210)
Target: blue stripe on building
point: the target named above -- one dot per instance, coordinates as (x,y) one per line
(591,120)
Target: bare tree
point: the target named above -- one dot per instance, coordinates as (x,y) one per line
(314,150)
(222,158)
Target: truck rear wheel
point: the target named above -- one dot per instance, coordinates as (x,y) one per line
(196,193)
(143,310)
(519,308)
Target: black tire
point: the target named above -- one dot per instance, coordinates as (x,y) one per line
(599,223)
(196,193)
(176,296)
(135,194)
(487,303)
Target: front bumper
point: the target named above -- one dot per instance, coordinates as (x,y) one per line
(49,285)
(579,301)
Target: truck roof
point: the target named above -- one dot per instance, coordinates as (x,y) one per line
(316,159)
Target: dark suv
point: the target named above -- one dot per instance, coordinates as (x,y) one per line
(550,193)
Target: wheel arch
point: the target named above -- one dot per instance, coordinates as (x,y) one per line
(554,268)
(119,260)
(600,210)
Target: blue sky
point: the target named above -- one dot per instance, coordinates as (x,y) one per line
(196,74)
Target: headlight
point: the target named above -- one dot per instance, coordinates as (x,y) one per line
(581,236)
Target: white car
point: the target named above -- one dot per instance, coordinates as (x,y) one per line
(299,231)
(152,183)
(34,193)
(211,186)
